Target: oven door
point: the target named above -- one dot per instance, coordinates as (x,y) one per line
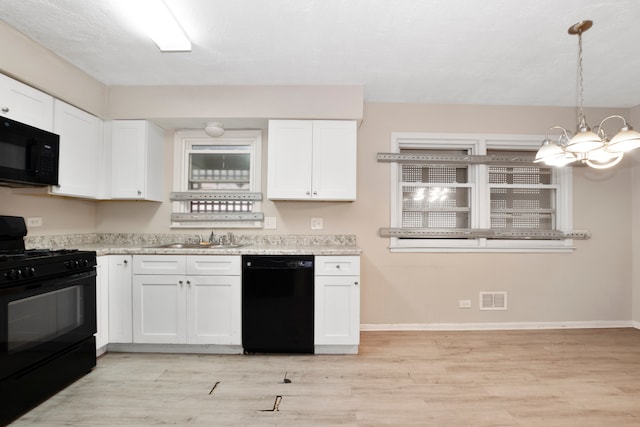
(41,319)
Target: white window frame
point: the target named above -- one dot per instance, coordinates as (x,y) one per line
(477,144)
(184,140)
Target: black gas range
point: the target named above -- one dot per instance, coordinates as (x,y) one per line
(20,265)
(47,319)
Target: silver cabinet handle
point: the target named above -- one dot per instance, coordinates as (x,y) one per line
(126,262)
(139,193)
(315,193)
(338,266)
(5,109)
(356,283)
(308,193)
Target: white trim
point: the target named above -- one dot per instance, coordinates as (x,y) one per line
(335,349)
(595,324)
(175,348)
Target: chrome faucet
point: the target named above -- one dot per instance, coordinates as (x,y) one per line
(212,237)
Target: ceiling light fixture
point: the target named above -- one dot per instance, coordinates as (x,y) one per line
(214,129)
(593,148)
(160,24)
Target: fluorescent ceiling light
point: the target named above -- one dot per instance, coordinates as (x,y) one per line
(160,24)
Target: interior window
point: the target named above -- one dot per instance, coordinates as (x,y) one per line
(476,193)
(217,181)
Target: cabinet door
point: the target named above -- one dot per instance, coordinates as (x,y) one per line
(289,159)
(25,104)
(102,301)
(334,160)
(159,309)
(120,297)
(136,160)
(213,309)
(337,310)
(80,147)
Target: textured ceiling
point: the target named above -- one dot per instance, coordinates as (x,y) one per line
(499,52)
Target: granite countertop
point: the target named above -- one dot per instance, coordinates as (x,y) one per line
(142,244)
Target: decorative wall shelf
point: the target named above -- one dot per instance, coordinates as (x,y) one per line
(215,195)
(426,233)
(451,159)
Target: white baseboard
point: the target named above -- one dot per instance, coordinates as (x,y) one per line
(499,326)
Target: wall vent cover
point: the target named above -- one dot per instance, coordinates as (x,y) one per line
(493,300)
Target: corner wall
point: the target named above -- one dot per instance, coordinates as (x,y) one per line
(25,60)
(634,117)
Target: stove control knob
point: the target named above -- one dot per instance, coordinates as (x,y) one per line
(10,275)
(29,272)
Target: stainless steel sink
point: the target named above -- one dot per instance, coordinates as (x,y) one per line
(195,246)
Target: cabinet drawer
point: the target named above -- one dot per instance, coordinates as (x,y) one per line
(159,264)
(213,265)
(337,266)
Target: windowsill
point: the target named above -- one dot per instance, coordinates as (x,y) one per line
(484,246)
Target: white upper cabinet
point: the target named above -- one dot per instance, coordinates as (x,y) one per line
(80,148)
(136,159)
(312,160)
(25,104)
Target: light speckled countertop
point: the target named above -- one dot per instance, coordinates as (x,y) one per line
(139,244)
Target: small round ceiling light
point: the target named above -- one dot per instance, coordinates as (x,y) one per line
(214,129)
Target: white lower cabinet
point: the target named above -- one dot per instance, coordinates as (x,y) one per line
(337,304)
(187,299)
(120,308)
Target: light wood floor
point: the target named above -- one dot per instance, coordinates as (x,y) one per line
(487,378)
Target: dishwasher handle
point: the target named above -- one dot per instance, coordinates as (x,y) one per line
(278,263)
(286,265)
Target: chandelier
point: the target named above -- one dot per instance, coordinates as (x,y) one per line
(592,147)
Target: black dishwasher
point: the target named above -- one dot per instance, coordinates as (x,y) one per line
(277,304)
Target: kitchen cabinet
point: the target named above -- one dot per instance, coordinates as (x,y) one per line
(337,304)
(102,302)
(25,104)
(312,160)
(80,148)
(183,299)
(134,160)
(120,299)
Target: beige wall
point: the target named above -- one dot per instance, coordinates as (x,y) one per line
(591,284)
(594,283)
(60,215)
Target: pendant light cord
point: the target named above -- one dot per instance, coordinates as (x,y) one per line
(581,118)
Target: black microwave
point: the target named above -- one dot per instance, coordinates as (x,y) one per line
(28,156)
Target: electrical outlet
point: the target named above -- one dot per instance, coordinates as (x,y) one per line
(317,223)
(464,303)
(269,223)
(35,221)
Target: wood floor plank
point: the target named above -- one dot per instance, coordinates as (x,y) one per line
(480,378)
